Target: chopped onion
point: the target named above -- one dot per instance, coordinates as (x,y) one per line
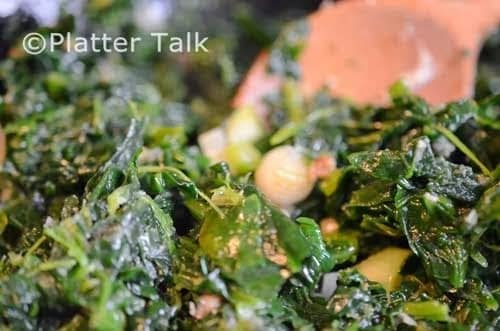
(213,143)
(208,304)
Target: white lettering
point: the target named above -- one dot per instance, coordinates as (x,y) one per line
(159,36)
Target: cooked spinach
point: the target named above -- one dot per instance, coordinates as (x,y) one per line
(111,218)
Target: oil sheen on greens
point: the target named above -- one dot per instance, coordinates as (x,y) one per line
(112,219)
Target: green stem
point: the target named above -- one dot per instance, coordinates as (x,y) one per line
(35,246)
(156,169)
(51,265)
(463,148)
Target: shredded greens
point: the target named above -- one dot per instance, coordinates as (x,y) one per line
(112,219)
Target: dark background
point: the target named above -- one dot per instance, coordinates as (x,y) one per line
(257,20)
(240,29)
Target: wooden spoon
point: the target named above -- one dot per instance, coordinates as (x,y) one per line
(357,49)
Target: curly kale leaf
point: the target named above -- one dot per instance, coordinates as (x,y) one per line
(489,205)
(254,239)
(321,260)
(357,303)
(418,166)
(385,165)
(107,262)
(440,247)
(457,181)
(113,172)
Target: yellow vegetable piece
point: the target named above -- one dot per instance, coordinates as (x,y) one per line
(242,158)
(100,4)
(4,221)
(244,126)
(384,267)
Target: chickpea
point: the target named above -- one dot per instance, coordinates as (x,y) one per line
(283,176)
(328,226)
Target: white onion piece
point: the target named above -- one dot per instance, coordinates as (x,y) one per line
(213,143)
(208,304)
(283,176)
